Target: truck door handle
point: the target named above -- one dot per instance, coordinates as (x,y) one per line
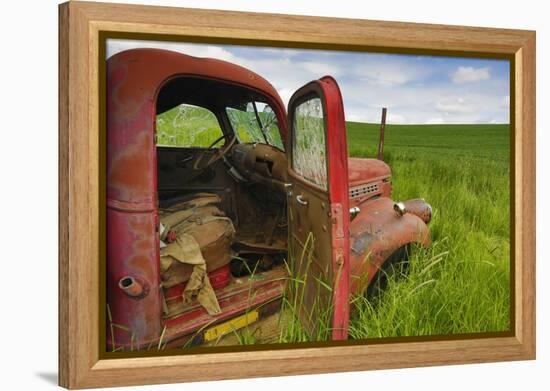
(301,200)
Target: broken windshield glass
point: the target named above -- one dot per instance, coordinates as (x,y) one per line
(255,123)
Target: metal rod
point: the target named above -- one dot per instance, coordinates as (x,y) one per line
(382,129)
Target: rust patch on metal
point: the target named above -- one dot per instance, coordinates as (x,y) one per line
(362,170)
(361,242)
(420,208)
(130,173)
(377,232)
(337,220)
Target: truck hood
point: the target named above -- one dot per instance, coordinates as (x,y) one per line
(362,170)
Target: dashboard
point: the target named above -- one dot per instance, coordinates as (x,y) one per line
(260,163)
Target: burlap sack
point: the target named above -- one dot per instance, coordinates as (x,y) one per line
(185,250)
(203,234)
(214,235)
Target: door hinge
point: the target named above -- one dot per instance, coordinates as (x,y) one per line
(337,217)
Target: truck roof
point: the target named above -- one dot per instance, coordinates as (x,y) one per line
(146,70)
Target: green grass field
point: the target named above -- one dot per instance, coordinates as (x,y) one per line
(460,284)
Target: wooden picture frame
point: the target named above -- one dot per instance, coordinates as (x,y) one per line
(81,163)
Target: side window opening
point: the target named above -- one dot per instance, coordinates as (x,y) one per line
(188,126)
(308,143)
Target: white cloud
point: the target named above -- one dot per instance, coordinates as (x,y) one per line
(434,121)
(431,104)
(505,102)
(396,119)
(319,69)
(455,105)
(285,94)
(355,118)
(378,70)
(470,74)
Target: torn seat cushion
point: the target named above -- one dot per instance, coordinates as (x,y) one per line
(207,224)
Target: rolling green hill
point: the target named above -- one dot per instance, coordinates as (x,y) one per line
(472,141)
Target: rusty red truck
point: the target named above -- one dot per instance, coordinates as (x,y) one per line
(253,195)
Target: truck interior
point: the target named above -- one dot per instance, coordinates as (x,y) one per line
(220,139)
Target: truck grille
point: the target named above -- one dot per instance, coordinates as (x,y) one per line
(363,190)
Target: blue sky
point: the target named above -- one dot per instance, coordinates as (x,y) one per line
(415,89)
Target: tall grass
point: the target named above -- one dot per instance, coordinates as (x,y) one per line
(306,320)
(461,283)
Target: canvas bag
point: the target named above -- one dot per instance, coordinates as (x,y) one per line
(185,250)
(203,243)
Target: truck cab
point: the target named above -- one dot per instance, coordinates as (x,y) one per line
(203,133)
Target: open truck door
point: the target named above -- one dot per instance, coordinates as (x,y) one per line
(318,207)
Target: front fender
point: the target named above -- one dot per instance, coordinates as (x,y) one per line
(376,233)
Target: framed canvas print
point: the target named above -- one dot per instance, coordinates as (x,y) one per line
(253,195)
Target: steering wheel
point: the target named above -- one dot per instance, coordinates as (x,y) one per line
(216,156)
